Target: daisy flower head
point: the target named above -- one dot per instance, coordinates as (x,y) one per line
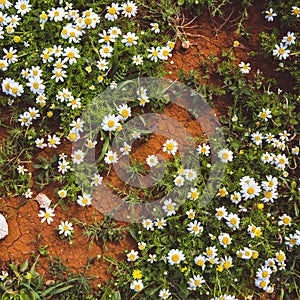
(124,112)
(53,141)
(111,157)
(4,275)
(296,11)
(236,197)
(195,227)
(191,214)
(289,38)
(280,256)
(281,51)
(97,180)
(281,161)
(160,223)
(3,64)
(132,255)
(295,150)
(225,239)
(114,32)
(102,64)
(106,51)
(47,215)
(221,212)
(265,114)
(179,180)
(137,60)
(164,294)
(203,149)
(110,123)
(125,150)
(90,144)
(148,224)
(71,54)
(284,136)
(155,27)
(200,261)
(153,53)
(250,190)
(222,192)
(257,138)
(193,194)
(225,155)
(195,282)
(262,283)
(84,200)
(270,184)
(245,68)
(233,221)
(266,158)
(190,174)
(10,55)
(21,169)
(137,285)
(22,7)
(77,157)
(285,220)
(112,12)
(152,258)
(129,9)
(165,53)
(226,262)
(175,257)
(56,14)
(62,193)
(39,143)
(66,228)
(28,193)
(169,207)
(63,166)
(264,272)
(270,14)
(170,146)
(152,160)
(5,4)
(254,231)
(292,240)
(130,39)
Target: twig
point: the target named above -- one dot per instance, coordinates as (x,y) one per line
(224,23)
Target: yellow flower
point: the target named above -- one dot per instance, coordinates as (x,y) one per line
(236,43)
(183,269)
(255,254)
(260,205)
(220,268)
(49,114)
(28,276)
(241,151)
(88,69)
(137,274)
(17,39)
(258,232)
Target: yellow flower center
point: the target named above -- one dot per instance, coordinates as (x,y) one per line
(112,11)
(225,155)
(23,6)
(88,21)
(251,190)
(175,258)
(106,50)
(72,136)
(263,284)
(9,55)
(85,201)
(170,146)
(130,39)
(71,54)
(65,228)
(35,85)
(15,90)
(56,13)
(200,263)
(281,51)
(111,157)
(265,274)
(128,9)
(194,195)
(170,207)
(286,220)
(111,123)
(195,228)
(227,265)
(154,53)
(268,194)
(125,113)
(47,215)
(225,240)
(233,221)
